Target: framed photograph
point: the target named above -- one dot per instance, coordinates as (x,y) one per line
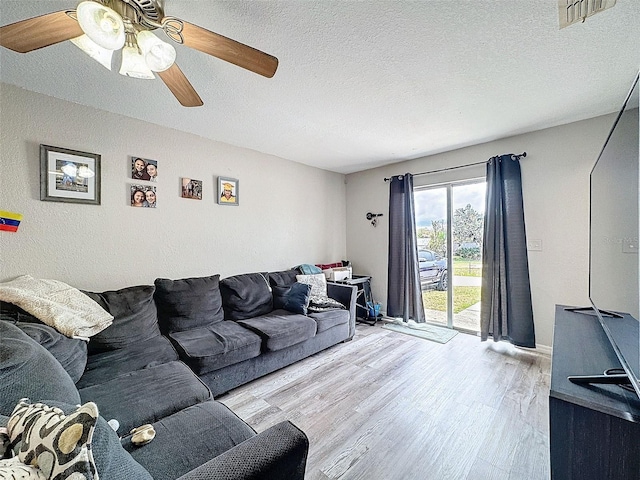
(191,188)
(228,191)
(144,169)
(69,175)
(143,196)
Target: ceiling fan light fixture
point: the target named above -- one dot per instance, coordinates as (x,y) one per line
(95,51)
(159,55)
(101,24)
(134,65)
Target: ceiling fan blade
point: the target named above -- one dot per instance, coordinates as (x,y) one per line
(229,50)
(39,32)
(180,87)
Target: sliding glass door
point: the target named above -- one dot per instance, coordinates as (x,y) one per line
(449,220)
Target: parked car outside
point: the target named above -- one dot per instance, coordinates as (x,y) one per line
(433,270)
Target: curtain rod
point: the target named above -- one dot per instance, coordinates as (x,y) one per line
(517,157)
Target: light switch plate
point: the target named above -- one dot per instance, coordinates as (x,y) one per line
(534,245)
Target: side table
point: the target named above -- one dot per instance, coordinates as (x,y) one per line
(363,283)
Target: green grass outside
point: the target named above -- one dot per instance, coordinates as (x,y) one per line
(467,268)
(463,297)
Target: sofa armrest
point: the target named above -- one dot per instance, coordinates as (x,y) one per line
(278,453)
(346,295)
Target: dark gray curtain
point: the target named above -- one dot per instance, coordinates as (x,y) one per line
(506,312)
(404,296)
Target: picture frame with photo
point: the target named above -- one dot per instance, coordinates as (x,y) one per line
(143,196)
(228,191)
(144,169)
(69,176)
(191,188)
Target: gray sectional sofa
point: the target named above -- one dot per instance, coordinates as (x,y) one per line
(171,349)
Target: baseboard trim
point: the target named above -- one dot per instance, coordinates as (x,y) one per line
(540,349)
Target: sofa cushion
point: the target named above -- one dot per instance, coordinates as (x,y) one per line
(246,296)
(294,298)
(330,318)
(27,369)
(283,278)
(281,329)
(112,460)
(135,318)
(147,395)
(188,303)
(190,438)
(215,346)
(104,366)
(70,352)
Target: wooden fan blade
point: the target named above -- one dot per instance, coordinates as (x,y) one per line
(180,86)
(38,32)
(229,50)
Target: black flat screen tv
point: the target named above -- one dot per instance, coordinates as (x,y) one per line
(614,262)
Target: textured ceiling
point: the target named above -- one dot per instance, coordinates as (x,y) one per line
(362,83)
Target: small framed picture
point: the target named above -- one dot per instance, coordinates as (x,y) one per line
(191,188)
(143,196)
(228,191)
(69,175)
(144,169)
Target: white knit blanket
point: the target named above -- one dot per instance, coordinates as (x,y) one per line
(57,304)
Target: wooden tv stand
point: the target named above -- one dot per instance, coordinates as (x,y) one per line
(594,430)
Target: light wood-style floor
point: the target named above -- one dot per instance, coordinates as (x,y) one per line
(388,406)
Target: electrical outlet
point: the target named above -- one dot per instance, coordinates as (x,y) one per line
(534,245)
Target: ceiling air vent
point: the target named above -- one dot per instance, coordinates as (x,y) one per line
(577,11)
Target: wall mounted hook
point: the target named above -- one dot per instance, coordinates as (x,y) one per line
(373,218)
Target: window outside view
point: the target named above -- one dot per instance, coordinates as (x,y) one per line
(466,243)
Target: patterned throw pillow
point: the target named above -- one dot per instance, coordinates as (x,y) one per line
(318,283)
(56,443)
(14,469)
(318,300)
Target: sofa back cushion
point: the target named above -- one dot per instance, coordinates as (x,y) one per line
(27,369)
(246,296)
(70,352)
(284,278)
(135,318)
(188,303)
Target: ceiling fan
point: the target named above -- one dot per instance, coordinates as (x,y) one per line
(100,27)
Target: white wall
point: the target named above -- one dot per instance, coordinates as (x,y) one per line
(555,178)
(288,214)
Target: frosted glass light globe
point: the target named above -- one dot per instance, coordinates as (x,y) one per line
(101,24)
(159,55)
